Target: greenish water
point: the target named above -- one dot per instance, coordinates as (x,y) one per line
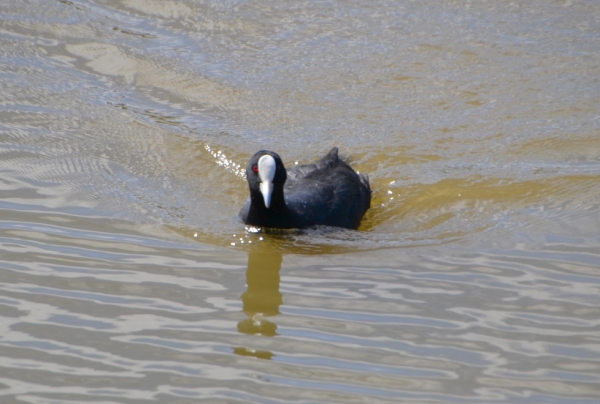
(126,276)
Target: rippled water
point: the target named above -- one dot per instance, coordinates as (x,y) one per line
(126,276)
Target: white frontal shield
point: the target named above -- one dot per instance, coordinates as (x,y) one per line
(266,173)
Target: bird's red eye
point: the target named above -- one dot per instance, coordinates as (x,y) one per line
(255,168)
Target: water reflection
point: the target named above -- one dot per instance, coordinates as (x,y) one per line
(262,298)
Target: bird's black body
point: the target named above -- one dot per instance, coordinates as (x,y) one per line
(328,192)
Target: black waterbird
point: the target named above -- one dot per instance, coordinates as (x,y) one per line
(328,192)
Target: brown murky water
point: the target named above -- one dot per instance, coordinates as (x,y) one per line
(126,276)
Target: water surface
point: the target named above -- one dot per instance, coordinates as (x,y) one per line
(128,278)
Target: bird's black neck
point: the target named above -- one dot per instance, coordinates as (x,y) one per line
(276,215)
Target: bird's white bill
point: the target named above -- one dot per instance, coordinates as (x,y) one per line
(266,173)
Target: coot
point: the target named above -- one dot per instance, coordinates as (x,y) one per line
(328,192)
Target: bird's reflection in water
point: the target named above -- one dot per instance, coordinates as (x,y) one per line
(262,298)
